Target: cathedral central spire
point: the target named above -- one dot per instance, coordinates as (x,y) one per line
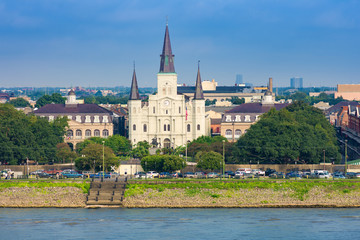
(167,58)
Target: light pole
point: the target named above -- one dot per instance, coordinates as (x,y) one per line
(223,141)
(324,159)
(103,142)
(345,170)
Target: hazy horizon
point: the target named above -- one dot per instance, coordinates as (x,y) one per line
(94,43)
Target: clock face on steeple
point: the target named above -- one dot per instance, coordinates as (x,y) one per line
(166,103)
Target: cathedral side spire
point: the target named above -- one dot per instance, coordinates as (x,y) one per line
(198,87)
(167,58)
(134,91)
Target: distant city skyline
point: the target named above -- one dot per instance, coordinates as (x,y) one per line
(94,43)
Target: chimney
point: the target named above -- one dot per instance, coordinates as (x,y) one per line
(270,85)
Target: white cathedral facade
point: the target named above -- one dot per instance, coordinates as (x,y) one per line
(168,119)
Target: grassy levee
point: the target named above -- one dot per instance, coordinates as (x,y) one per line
(243,193)
(43,193)
(83,185)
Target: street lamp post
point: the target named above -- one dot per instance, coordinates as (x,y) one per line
(103,142)
(324,159)
(223,141)
(345,170)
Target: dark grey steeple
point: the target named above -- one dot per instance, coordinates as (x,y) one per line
(134,91)
(198,87)
(167,58)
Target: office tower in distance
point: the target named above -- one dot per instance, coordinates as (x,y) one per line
(239,79)
(296,82)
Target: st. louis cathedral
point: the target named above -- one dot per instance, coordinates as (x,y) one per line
(168,119)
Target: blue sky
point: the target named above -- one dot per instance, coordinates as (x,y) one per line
(94,42)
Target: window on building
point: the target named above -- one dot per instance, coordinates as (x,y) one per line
(51,118)
(97,133)
(166,111)
(153,109)
(228,118)
(78,118)
(87,133)
(198,127)
(168,127)
(237,133)
(105,119)
(87,119)
(134,127)
(237,118)
(96,119)
(164,127)
(188,128)
(145,128)
(179,109)
(69,134)
(78,133)
(105,133)
(247,118)
(256,117)
(228,133)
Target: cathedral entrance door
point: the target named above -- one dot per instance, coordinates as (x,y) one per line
(167,143)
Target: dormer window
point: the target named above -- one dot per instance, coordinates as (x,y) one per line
(96,119)
(238,118)
(105,119)
(78,118)
(256,117)
(87,119)
(247,118)
(228,118)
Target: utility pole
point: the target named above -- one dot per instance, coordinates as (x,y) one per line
(345,170)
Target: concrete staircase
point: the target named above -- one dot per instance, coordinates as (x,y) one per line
(106,193)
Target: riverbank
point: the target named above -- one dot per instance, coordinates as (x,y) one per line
(191,194)
(42,194)
(248,194)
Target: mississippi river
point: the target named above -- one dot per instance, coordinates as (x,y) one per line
(158,224)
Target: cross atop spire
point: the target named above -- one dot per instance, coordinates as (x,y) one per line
(167,58)
(199,95)
(134,91)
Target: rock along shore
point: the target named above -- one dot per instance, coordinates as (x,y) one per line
(47,197)
(243,198)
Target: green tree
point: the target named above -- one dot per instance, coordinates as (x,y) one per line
(92,158)
(64,153)
(140,150)
(209,160)
(29,137)
(298,133)
(162,163)
(46,99)
(19,103)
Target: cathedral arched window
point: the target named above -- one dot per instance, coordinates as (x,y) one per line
(164,127)
(168,127)
(198,127)
(179,109)
(134,127)
(145,128)
(188,128)
(153,109)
